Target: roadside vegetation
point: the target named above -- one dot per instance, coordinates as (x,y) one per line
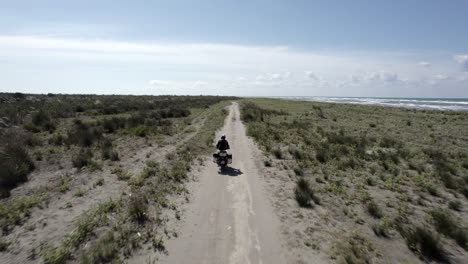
(389,176)
(97,157)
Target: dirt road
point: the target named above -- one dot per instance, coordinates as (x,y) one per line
(229,219)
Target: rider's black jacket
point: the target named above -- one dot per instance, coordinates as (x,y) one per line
(222,144)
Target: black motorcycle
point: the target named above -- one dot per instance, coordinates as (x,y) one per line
(222,158)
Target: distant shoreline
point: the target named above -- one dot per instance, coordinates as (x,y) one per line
(442,104)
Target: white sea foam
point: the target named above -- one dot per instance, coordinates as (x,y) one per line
(418,103)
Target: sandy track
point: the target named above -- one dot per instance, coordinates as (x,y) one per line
(230,219)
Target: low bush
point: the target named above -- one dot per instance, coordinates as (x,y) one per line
(138,208)
(304,193)
(15,165)
(421,240)
(253,113)
(109,153)
(390,142)
(111,125)
(83,135)
(31,140)
(296,153)
(82,158)
(121,174)
(42,120)
(299,171)
(322,153)
(354,249)
(105,250)
(179,171)
(373,209)
(57,139)
(382,229)
(278,153)
(13,211)
(171,113)
(445,223)
(455,205)
(141,131)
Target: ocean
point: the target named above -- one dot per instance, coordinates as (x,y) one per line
(417,103)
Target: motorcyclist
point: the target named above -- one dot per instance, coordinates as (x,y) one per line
(222,144)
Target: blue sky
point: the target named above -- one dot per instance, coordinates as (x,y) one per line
(257,48)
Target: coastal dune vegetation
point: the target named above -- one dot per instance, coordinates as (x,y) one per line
(388,177)
(90,176)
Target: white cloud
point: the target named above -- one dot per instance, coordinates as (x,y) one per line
(275,76)
(383,76)
(158,83)
(463,60)
(441,77)
(311,75)
(355,78)
(210,68)
(260,77)
(198,84)
(424,64)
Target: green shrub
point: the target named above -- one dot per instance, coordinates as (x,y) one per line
(423,241)
(114,155)
(322,154)
(4,245)
(31,140)
(138,207)
(445,224)
(13,211)
(83,135)
(148,172)
(121,174)
(109,153)
(57,139)
(382,229)
(179,171)
(455,205)
(15,165)
(58,255)
(79,109)
(82,158)
(354,249)
(304,193)
(319,111)
(278,153)
(105,250)
(296,153)
(113,124)
(42,120)
(370,181)
(464,191)
(141,131)
(251,112)
(299,171)
(268,163)
(373,209)
(389,142)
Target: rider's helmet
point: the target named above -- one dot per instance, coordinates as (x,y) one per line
(223,137)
